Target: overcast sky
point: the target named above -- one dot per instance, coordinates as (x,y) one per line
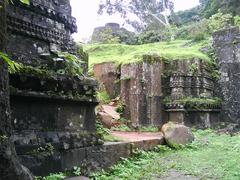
(87,18)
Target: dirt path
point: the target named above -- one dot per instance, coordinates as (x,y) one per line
(137,136)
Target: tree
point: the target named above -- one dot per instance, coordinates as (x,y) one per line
(211,7)
(141,14)
(187,16)
(10,167)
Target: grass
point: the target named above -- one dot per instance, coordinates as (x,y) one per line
(210,156)
(124,54)
(103,97)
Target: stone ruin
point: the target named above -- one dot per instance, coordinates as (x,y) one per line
(227,45)
(52,114)
(117,31)
(153,89)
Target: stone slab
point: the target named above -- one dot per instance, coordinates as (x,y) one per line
(92,158)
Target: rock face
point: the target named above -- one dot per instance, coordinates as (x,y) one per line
(177,134)
(227,47)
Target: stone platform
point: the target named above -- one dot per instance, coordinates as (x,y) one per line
(95,158)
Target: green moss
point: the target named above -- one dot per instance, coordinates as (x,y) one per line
(196,103)
(3,138)
(45,151)
(125,54)
(126,78)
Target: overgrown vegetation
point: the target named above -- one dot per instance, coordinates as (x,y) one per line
(76,171)
(46,150)
(72,66)
(103,97)
(105,133)
(210,156)
(124,54)
(196,103)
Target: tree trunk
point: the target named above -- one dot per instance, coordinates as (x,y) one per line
(10,168)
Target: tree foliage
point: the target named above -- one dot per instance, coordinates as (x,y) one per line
(219,21)
(211,7)
(139,13)
(184,17)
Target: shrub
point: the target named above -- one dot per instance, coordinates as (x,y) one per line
(150,37)
(237,21)
(196,30)
(103,97)
(219,21)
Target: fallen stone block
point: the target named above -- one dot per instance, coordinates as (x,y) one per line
(177,134)
(111,110)
(106,119)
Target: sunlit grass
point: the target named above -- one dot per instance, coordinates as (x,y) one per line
(124,54)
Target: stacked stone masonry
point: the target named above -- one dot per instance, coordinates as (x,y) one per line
(52,114)
(227,47)
(145,85)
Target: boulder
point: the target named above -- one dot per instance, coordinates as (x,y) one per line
(106,119)
(111,111)
(177,134)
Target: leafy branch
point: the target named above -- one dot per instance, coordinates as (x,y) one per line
(12,66)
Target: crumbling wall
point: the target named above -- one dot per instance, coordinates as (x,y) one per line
(152,91)
(53,112)
(190,78)
(108,75)
(141,91)
(191,81)
(227,47)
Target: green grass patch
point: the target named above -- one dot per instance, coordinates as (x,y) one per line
(124,54)
(103,97)
(149,129)
(210,156)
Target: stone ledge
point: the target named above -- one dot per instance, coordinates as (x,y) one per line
(53,97)
(91,159)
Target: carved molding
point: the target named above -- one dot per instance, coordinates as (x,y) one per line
(46,8)
(33,30)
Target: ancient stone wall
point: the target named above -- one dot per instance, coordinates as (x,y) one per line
(190,78)
(38,31)
(51,113)
(155,91)
(108,74)
(227,46)
(191,81)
